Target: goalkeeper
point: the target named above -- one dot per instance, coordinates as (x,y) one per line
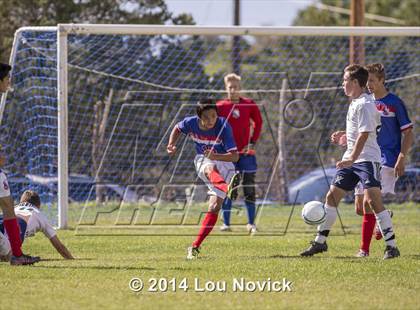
(246,121)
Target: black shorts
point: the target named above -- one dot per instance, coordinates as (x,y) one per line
(367,172)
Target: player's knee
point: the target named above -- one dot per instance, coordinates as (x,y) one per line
(330,199)
(208,170)
(214,208)
(249,193)
(215,205)
(358,205)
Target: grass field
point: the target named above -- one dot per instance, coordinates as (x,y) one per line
(100,276)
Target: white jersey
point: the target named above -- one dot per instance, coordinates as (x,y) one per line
(363,116)
(35,220)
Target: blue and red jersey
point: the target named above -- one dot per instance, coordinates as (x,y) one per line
(219,138)
(394,120)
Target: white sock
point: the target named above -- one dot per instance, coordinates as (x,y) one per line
(385,225)
(326,226)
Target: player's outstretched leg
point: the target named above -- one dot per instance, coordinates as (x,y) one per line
(207,225)
(319,245)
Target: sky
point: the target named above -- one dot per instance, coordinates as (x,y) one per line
(253,12)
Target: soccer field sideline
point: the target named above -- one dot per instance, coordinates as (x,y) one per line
(105,265)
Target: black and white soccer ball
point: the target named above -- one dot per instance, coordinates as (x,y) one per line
(313,213)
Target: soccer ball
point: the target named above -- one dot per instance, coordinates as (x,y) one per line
(313,213)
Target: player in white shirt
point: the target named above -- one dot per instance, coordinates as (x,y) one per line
(33,220)
(360,163)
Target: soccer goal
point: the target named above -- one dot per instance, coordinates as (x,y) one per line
(89,115)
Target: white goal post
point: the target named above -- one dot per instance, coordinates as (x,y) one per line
(64,30)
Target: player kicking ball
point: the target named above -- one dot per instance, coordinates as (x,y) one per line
(361,162)
(216,152)
(32,220)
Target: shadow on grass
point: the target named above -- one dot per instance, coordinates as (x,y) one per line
(95,267)
(64,260)
(349,258)
(415,256)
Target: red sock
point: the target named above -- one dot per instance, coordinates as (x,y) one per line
(13,232)
(216,179)
(368,225)
(206,227)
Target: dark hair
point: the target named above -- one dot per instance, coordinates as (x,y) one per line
(32,197)
(204,105)
(4,70)
(377,69)
(357,72)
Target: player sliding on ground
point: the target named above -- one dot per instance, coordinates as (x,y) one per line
(361,162)
(216,150)
(32,220)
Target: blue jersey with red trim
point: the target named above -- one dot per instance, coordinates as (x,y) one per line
(394,120)
(219,138)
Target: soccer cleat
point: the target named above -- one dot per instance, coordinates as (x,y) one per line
(225,227)
(251,228)
(391,252)
(232,192)
(24,260)
(192,252)
(362,253)
(378,233)
(315,248)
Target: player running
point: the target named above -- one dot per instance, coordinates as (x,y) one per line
(32,220)
(10,223)
(216,150)
(243,115)
(395,139)
(361,162)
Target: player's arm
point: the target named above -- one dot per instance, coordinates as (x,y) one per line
(61,248)
(358,147)
(407,142)
(406,127)
(339,138)
(173,138)
(232,156)
(255,115)
(256,120)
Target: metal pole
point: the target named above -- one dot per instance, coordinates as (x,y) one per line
(236,44)
(282,144)
(62,98)
(357,44)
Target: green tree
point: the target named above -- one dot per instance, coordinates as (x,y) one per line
(406,10)
(18,13)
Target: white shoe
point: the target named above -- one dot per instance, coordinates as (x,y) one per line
(225,227)
(192,252)
(362,254)
(251,228)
